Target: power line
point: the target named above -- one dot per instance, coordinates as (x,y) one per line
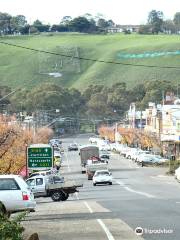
(90,59)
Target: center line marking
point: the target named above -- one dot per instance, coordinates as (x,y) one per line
(101,223)
(134,191)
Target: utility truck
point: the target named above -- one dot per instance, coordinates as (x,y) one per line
(52,186)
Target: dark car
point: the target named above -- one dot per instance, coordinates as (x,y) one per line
(73,147)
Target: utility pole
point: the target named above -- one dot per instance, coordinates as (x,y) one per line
(177,90)
(163,97)
(141,120)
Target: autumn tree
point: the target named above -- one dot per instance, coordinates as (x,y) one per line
(13,142)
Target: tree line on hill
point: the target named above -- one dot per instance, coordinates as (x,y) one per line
(156,24)
(96,101)
(86,24)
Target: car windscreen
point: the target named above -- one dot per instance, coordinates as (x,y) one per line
(102,174)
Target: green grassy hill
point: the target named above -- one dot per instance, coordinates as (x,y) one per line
(20,67)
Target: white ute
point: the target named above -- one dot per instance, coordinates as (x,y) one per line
(15,194)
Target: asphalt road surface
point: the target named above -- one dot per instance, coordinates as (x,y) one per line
(139,197)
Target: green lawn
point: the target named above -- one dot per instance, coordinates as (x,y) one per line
(19,67)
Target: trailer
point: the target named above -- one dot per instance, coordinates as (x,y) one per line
(52,186)
(86,153)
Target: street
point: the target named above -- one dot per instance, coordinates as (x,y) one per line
(139,197)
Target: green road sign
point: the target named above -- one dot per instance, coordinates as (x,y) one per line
(40,157)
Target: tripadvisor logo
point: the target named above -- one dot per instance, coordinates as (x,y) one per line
(139,231)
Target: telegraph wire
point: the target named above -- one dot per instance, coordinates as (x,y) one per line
(89,59)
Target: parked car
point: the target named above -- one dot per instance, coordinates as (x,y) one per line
(113,146)
(124,151)
(15,194)
(160,159)
(140,153)
(102,177)
(131,152)
(93,139)
(73,147)
(151,159)
(177,174)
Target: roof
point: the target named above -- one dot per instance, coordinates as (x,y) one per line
(103,170)
(9,176)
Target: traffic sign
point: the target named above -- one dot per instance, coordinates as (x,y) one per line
(40,156)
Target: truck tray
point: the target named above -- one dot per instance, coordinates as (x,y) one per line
(66,184)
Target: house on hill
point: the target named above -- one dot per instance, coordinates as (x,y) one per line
(123,28)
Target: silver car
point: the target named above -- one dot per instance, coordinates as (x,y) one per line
(15,194)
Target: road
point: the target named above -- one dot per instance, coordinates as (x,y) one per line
(139,197)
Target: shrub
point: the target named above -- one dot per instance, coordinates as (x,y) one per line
(11,229)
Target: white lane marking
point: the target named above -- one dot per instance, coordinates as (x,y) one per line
(177,202)
(106,230)
(134,191)
(104,227)
(89,208)
(67,159)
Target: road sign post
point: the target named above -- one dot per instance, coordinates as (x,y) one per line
(39,157)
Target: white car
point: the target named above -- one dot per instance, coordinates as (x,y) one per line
(104,147)
(15,194)
(139,154)
(177,174)
(93,139)
(131,152)
(102,177)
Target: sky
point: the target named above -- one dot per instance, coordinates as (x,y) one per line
(120,11)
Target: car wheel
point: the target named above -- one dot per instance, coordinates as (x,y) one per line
(94,184)
(110,183)
(57,196)
(65,197)
(3,210)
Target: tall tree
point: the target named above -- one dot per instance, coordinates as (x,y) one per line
(155,18)
(18,22)
(40,26)
(176,19)
(102,23)
(169,26)
(81,24)
(5,23)
(66,20)
(110,23)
